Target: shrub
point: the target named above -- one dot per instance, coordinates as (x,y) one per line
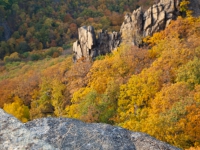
(35,57)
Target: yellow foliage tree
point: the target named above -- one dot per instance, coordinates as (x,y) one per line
(57,97)
(98,101)
(79,104)
(18,109)
(174,116)
(184,8)
(135,97)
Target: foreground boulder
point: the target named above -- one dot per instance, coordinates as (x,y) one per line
(15,135)
(63,133)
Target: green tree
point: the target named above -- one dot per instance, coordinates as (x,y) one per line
(189,73)
(43,35)
(23,47)
(41,106)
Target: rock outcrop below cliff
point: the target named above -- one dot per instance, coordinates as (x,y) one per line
(84,47)
(64,133)
(195,7)
(87,46)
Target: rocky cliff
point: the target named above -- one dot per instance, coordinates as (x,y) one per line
(140,24)
(137,25)
(87,46)
(67,134)
(195,7)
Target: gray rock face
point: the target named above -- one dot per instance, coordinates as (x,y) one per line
(141,24)
(67,134)
(87,46)
(107,42)
(195,7)
(15,135)
(84,47)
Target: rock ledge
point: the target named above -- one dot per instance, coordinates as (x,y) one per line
(67,134)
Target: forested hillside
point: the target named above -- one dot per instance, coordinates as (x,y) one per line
(156,91)
(36,25)
(153,89)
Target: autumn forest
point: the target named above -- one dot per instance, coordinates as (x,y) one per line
(153,89)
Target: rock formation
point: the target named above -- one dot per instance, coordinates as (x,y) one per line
(195,7)
(107,42)
(140,24)
(84,47)
(88,46)
(15,135)
(64,134)
(135,27)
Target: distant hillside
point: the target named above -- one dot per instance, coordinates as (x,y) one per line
(35,24)
(154,88)
(156,91)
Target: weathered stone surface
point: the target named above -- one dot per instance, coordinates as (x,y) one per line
(77,49)
(15,135)
(146,23)
(195,7)
(133,29)
(107,42)
(67,134)
(84,47)
(88,46)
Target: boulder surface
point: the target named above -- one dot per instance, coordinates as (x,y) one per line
(67,134)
